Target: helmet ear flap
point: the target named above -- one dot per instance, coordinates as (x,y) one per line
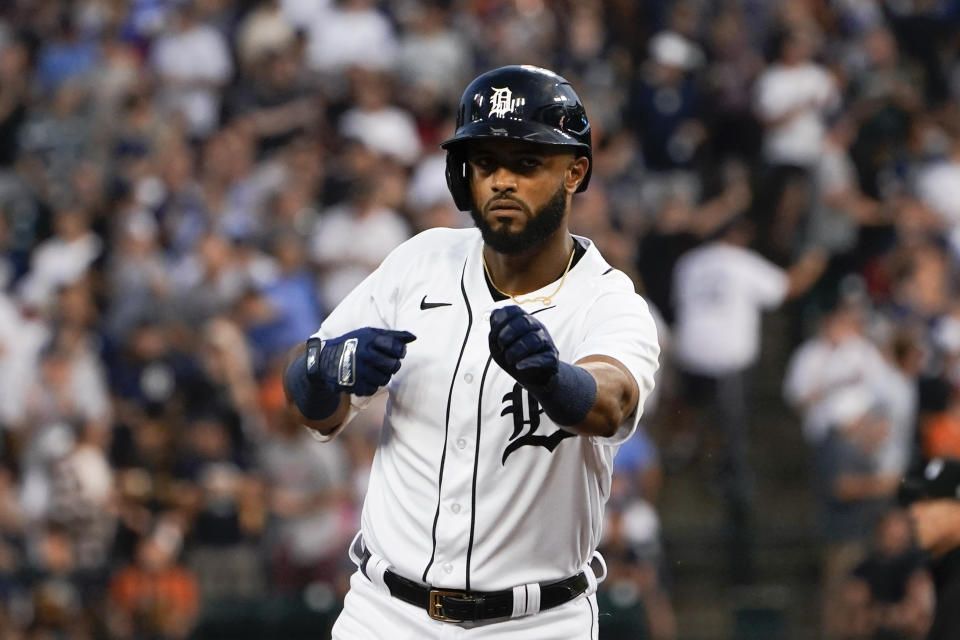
(458,179)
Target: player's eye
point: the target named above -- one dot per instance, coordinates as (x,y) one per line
(529,162)
(484,163)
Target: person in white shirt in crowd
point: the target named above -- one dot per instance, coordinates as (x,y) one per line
(720,291)
(352,238)
(938,186)
(350,33)
(433,55)
(193,63)
(839,356)
(793,98)
(60,260)
(380,125)
(899,398)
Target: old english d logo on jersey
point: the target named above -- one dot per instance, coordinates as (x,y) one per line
(527,415)
(502,102)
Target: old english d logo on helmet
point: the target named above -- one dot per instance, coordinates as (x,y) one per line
(521,103)
(502,102)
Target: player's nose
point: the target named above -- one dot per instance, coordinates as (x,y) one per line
(503,180)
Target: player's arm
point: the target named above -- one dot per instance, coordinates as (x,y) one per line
(321,375)
(616,398)
(295,361)
(591,397)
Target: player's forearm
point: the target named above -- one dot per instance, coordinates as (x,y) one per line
(616,398)
(294,391)
(327,425)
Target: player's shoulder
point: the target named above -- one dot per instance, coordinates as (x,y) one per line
(436,244)
(598,274)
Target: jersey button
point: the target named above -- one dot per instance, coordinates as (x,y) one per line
(455,507)
(461,443)
(448,568)
(468,378)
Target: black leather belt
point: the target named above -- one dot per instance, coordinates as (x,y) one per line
(449,605)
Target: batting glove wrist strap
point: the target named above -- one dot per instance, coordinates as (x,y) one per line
(522,346)
(569,395)
(314,399)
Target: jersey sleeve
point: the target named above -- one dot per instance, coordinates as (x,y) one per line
(619,325)
(372,303)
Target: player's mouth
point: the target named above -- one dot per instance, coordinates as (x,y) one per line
(504,209)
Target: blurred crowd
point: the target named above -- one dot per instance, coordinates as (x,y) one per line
(188,186)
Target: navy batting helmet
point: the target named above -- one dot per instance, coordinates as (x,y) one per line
(518,102)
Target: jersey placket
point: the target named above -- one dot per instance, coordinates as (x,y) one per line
(455,518)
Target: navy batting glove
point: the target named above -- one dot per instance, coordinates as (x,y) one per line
(521,345)
(359,362)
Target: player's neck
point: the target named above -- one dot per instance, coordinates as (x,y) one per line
(533,269)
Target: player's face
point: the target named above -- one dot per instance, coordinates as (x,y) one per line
(521,191)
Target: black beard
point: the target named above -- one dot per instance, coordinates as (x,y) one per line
(539,227)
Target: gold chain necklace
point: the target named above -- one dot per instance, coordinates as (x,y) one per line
(546,300)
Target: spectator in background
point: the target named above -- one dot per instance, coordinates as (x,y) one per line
(826,365)
(137,279)
(235,187)
(350,33)
(852,488)
(68,56)
(154,596)
(351,239)
(83,504)
(839,207)
(209,281)
(221,495)
(432,58)
(665,110)
(53,141)
(937,186)
(721,289)
(276,315)
(899,398)
(14,93)
(732,71)
(273,96)
(679,225)
(633,546)
(193,63)
(793,97)
(67,398)
(382,127)
(58,600)
(889,594)
(309,500)
(885,95)
(62,259)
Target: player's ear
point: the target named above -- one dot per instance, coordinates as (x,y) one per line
(575,173)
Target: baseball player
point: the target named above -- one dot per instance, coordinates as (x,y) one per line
(516,361)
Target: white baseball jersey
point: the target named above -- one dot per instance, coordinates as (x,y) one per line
(472,486)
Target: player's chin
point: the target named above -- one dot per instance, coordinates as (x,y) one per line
(512,221)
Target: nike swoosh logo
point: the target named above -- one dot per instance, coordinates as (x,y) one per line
(424,305)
